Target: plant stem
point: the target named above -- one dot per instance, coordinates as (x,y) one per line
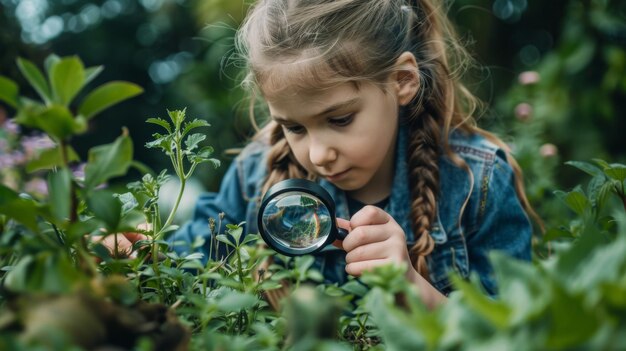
(87,258)
(170,218)
(155,251)
(73,200)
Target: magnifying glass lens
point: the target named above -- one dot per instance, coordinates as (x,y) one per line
(297,220)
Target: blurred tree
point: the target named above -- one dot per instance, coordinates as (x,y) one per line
(158,44)
(180,51)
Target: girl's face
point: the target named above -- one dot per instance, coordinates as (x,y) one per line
(343,134)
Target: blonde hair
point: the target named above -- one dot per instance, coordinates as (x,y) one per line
(337,41)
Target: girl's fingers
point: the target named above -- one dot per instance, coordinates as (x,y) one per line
(366,235)
(338,244)
(344,224)
(369,215)
(357,268)
(124,246)
(134,237)
(367,252)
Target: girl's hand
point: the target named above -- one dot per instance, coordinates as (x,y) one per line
(123,241)
(374,239)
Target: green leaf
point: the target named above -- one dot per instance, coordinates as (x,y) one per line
(202,156)
(66,78)
(8,91)
(595,190)
(243,252)
(601,163)
(59,187)
(91,73)
(77,230)
(51,158)
(35,78)
(571,322)
(223,238)
(496,312)
(109,160)
(569,262)
(193,140)
(105,207)
(395,327)
(522,285)
(28,112)
(161,122)
(47,272)
(107,95)
(355,287)
(129,202)
(250,238)
(24,211)
(235,231)
(50,61)
(575,199)
(161,141)
(196,123)
(177,117)
(236,301)
(57,121)
(617,172)
(130,220)
(585,167)
(556,233)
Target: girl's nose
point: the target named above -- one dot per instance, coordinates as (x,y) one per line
(321,153)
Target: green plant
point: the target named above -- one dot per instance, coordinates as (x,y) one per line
(56,294)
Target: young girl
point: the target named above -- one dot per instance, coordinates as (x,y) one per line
(365,98)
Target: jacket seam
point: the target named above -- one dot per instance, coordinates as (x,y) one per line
(240,175)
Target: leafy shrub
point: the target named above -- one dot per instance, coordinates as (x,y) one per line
(61,292)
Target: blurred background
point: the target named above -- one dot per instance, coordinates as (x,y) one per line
(553,73)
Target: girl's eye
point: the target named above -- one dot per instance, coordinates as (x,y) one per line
(294,129)
(342,121)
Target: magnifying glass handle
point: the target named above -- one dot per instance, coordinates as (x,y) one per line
(341,233)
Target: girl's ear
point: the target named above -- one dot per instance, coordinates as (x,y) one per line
(406,78)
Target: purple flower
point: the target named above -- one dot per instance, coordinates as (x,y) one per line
(36,186)
(79,171)
(4,145)
(523,111)
(11,127)
(33,144)
(529,77)
(6,161)
(18,157)
(548,150)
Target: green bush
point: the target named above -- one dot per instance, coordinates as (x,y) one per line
(60,291)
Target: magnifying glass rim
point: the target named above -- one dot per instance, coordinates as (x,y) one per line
(302,186)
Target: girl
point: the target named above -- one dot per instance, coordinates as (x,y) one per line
(365,98)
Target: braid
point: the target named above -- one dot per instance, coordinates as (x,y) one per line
(424,184)
(427,111)
(281,162)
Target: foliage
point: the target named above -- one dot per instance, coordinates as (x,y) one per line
(158,299)
(61,290)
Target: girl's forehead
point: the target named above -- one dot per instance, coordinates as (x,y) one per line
(291,101)
(287,81)
(306,73)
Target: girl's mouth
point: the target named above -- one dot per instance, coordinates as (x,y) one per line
(337,176)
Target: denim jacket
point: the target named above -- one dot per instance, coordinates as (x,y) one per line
(492,220)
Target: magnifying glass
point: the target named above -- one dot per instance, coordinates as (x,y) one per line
(297,217)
